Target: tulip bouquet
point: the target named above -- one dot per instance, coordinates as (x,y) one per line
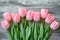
(29,25)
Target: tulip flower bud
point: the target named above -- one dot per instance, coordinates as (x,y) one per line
(44,13)
(49,19)
(7,16)
(36,16)
(29,15)
(22,12)
(54,25)
(5,24)
(16,18)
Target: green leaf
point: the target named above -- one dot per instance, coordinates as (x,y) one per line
(32,32)
(9,35)
(47,32)
(41,31)
(22,31)
(12,31)
(18,33)
(15,34)
(28,31)
(47,29)
(47,35)
(21,35)
(25,24)
(35,32)
(41,35)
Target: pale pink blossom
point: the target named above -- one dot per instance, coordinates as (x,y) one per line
(36,16)
(22,12)
(5,24)
(16,18)
(50,18)
(7,16)
(54,25)
(29,15)
(44,13)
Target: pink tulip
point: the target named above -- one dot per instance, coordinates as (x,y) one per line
(44,13)
(49,19)
(54,25)
(36,16)
(29,15)
(22,12)
(16,18)
(5,24)
(7,16)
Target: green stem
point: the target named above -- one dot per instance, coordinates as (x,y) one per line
(47,35)
(12,31)
(32,31)
(47,32)
(22,31)
(23,20)
(35,31)
(11,38)
(29,23)
(23,23)
(18,34)
(42,29)
(9,31)
(47,28)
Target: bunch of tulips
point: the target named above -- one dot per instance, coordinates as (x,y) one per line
(29,25)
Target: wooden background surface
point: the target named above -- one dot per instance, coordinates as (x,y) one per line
(13,6)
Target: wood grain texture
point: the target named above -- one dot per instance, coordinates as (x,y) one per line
(13,5)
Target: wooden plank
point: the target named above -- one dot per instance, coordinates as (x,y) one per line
(13,8)
(32,2)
